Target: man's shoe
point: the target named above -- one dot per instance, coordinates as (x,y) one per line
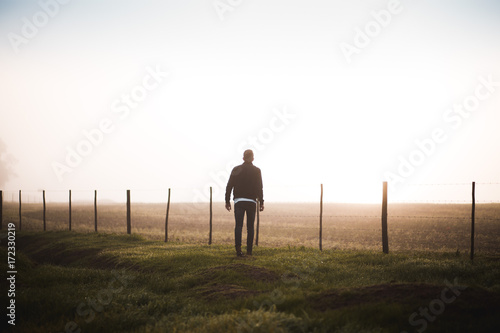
(238,251)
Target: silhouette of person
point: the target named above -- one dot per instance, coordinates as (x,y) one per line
(246,180)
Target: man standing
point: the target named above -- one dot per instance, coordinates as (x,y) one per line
(246,179)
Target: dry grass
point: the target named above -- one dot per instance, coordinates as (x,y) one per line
(415,227)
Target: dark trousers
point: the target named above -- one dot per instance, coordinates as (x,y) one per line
(239,213)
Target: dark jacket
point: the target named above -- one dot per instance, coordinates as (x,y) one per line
(246,179)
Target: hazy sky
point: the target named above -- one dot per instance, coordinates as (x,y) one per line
(157,94)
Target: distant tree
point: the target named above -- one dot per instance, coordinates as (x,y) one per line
(6,162)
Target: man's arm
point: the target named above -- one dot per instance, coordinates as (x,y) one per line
(229,189)
(261,192)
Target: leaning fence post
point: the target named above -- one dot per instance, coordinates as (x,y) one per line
(472,220)
(129,224)
(321,220)
(95,210)
(258,222)
(385,238)
(210,234)
(166,218)
(69,200)
(44,213)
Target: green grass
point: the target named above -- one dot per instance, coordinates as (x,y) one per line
(119,283)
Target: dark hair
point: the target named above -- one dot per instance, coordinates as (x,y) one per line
(248,155)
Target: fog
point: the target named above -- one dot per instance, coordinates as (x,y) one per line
(167,94)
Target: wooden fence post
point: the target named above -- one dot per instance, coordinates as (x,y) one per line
(129,223)
(20,216)
(210,234)
(69,200)
(1,209)
(166,218)
(258,222)
(472,220)
(321,220)
(44,213)
(95,210)
(385,238)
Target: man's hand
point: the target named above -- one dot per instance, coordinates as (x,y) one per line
(228,207)
(261,207)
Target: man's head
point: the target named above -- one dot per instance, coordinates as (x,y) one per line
(248,155)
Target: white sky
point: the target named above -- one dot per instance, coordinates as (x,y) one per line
(227,78)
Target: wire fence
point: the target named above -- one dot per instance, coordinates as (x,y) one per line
(412,225)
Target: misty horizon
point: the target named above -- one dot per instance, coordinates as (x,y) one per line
(345,95)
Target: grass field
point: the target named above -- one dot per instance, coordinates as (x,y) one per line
(98,282)
(422,227)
